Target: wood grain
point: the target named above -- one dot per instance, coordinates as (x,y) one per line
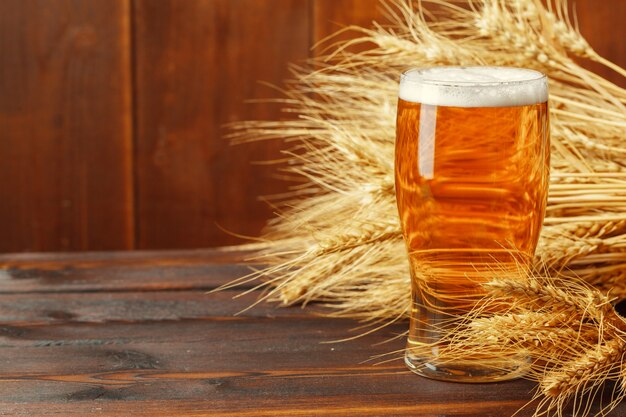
(121,271)
(65,123)
(116,351)
(111,350)
(81,82)
(197,62)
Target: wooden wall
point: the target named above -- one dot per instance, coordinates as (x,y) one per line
(112,113)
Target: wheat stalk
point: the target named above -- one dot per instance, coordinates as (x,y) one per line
(338,240)
(574,338)
(338,127)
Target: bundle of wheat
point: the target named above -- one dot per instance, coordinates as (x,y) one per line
(338,238)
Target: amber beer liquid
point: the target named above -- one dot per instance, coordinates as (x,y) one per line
(472,167)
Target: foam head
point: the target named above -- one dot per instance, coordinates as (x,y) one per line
(474,86)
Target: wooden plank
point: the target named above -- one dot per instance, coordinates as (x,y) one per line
(124,271)
(197,62)
(252,395)
(183,353)
(66,125)
(336,407)
(159,277)
(139,307)
(221,255)
(252,366)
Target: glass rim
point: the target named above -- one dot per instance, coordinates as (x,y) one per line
(424,80)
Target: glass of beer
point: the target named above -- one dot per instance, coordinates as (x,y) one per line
(471,172)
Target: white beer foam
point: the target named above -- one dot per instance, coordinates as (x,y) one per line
(474,86)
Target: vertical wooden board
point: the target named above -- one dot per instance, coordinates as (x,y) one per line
(65,125)
(330,16)
(197,62)
(601,23)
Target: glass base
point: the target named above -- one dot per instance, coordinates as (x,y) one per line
(479,371)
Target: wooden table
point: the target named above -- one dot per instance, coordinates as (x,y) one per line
(135,333)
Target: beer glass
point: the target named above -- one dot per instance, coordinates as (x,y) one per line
(471,173)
